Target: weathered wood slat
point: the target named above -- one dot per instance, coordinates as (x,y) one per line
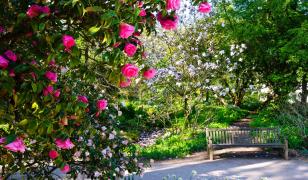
(227,136)
(245,137)
(223,134)
(249,145)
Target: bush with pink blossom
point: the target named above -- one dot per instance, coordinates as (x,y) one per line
(61,66)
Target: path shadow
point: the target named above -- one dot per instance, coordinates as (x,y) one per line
(233,168)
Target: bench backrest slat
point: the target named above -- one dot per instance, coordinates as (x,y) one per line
(244,136)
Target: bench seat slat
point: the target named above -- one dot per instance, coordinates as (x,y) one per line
(249,145)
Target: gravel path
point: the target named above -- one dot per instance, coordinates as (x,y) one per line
(230,168)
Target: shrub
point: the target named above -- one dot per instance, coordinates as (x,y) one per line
(251,102)
(52,52)
(290,118)
(221,114)
(175,146)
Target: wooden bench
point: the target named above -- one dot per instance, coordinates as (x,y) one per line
(245,137)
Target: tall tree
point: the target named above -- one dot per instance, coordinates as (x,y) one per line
(266,27)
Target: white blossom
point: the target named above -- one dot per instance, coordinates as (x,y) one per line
(77,154)
(90,142)
(111,136)
(97,174)
(125,142)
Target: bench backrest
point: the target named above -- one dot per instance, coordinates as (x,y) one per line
(244,136)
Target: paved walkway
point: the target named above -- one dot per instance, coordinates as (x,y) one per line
(230,168)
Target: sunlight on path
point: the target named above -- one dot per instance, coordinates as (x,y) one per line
(230,169)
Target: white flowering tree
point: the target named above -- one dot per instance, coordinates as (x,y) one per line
(195,66)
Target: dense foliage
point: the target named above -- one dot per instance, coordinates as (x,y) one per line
(61,65)
(78,81)
(248,55)
(270,29)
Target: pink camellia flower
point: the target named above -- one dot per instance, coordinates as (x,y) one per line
(12,73)
(101,104)
(83,99)
(205,7)
(66,169)
(2,30)
(125,83)
(136,33)
(168,23)
(149,74)
(33,75)
(152,15)
(68,42)
(51,76)
(10,55)
(130,70)
(47,90)
(2,140)
(53,154)
(29,34)
(33,62)
(45,10)
(52,63)
(3,62)
(64,144)
(36,10)
(16,146)
(130,49)
(33,11)
(126,30)
(173,4)
(140,4)
(57,93)
(34,43)
(142,13)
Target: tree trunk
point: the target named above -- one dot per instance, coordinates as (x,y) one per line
(237,101)
(207,96)
(304,93)
(186,111)
(239,97)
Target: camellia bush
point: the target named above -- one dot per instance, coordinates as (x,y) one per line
(61,62)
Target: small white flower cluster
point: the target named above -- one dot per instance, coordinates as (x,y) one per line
(235,50)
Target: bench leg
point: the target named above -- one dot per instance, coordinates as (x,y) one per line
(286,150)
(211,154)
(210,150)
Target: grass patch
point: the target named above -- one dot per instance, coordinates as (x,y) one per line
(222,115)
(175,146)
(189,141)
(218,125)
